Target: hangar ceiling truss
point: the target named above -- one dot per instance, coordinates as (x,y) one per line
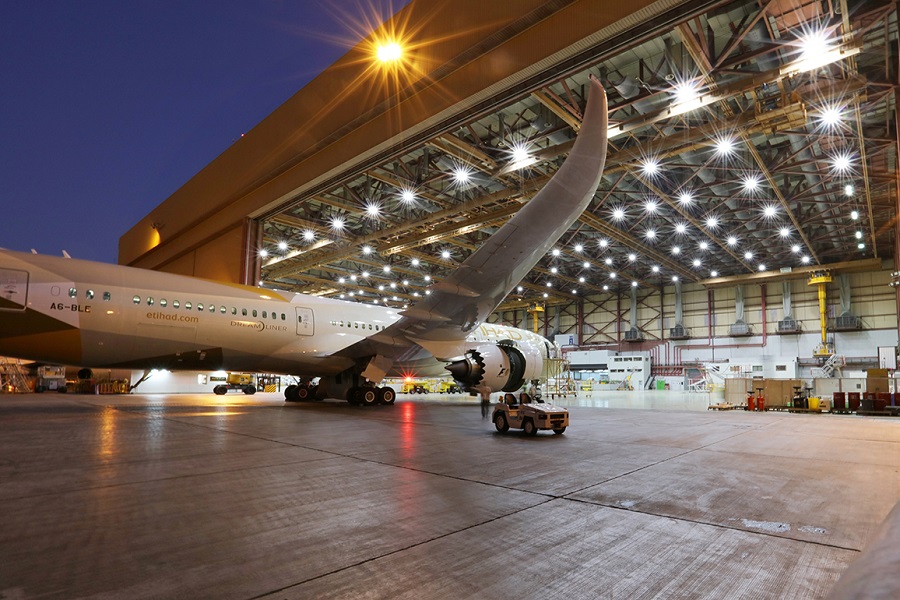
(734,149)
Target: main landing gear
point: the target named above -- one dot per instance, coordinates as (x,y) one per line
(369,396)
(362,395)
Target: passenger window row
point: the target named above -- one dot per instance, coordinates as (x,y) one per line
(212,308)
(163,303)
(357,325)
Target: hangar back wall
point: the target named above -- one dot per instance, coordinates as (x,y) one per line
(340,119)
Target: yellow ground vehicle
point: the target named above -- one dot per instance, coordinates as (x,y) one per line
(236,381)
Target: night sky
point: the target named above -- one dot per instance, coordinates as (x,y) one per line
(109,106)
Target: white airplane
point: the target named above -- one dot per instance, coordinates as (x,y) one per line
(75,312)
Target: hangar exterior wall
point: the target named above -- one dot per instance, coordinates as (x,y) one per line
(340,116)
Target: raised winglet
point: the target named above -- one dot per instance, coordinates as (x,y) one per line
(491,272)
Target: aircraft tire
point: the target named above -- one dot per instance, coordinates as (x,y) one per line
(291,394)
(386,395)
(303,393)
(220,390)
(250,390)
(368,396)
(353,395)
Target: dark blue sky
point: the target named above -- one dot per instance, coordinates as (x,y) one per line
(109,106)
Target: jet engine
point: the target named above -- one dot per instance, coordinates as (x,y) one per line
(503,366)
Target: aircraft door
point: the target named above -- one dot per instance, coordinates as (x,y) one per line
(305,323)
(13,289)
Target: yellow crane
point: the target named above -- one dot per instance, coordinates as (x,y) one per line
(820,279)
(534,310)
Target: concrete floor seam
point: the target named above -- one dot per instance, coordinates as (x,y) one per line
(399,550)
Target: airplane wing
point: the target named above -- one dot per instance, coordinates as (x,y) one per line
(458,304)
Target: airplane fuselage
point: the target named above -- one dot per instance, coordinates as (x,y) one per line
(75,312)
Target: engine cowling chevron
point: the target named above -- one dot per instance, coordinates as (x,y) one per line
(503,367)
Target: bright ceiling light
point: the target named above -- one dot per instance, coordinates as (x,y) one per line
(612,275)
(696,262)
(680,228)
(337,223)
(685,92)
(386,268)
(555,252)
(618,214)
(445,254)
(407,195)
(586,265)
(762,267)
(365,274)
(861,246)
(581,280)
(605,288)
(732,241)
(848,190)
(686,198)
(831,116)
(751,183)
(603,242)
(854,214)
(389,52)
(650,234)
(748,255)
(415,262)
(724,146)
(676,250)
(674,277)
(427,278)
(795,249)
(608,261)
(373,209)
(578,247)
(650,167)
(704,246)
(814,44)
(632,257)
(712,222)
(341,280)
(713,273)
(367,250)
(650,206)
(309,235)
(634,284)
(282,245)
(655,269)
(263,253)
(804,259)
(784,232)
(769,211)
(520,289)
(554,270)
(841,162)
(858,235)
(462,175)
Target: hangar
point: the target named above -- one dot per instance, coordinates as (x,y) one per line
(745,164)
(753,144)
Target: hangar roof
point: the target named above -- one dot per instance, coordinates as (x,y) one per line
(748,137)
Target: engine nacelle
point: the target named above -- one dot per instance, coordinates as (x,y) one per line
(504,366)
